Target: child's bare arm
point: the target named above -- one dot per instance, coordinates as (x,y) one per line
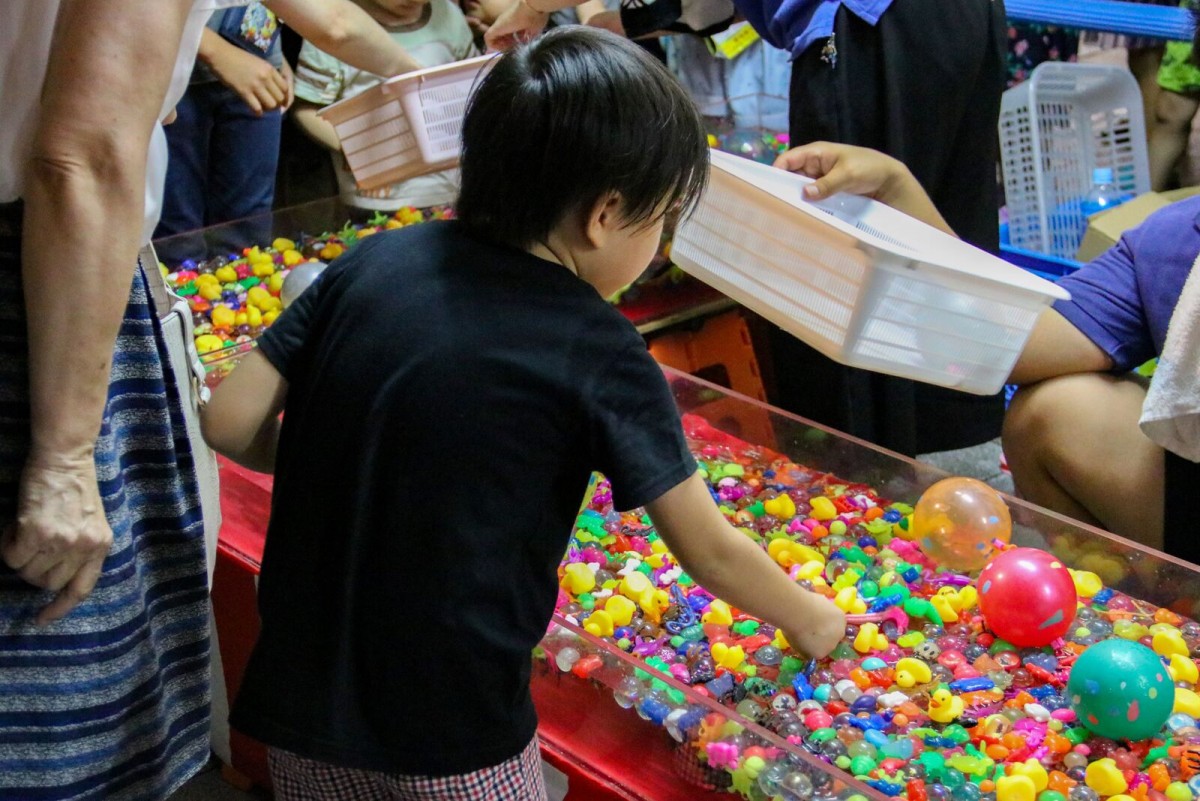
(317,128)
(731,566)
(256,82)
(241,421)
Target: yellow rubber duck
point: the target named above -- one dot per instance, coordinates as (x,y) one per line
(1015,788)
(911,672)
(1182,668)
(1105,778)
(944,707)
(1169,641)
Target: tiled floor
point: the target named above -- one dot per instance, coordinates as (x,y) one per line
(981,462)
(209,786)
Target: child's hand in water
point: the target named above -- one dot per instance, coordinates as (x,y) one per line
(820,627)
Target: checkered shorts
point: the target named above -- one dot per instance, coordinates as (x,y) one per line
(299,779)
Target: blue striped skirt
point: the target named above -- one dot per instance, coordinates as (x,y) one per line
(113,700)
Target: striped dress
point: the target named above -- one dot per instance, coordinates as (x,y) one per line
(112,701)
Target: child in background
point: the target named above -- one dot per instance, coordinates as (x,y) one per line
(1175,106)
(448,389)
(435,32)
(224,144)
(735,77)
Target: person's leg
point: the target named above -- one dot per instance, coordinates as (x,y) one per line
(1172,127)
(516,779)
(244,158)
(1074,446)
(187,164)
(1144,63)
(296,778)
(1179,80)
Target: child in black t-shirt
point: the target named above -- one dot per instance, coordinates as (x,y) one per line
(448,390)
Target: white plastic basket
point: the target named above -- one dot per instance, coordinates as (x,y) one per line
(1055,128)
(861,282)
(408,125)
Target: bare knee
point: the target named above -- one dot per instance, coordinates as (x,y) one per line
(1031,423)
(1173,110)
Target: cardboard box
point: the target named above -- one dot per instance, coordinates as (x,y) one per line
(1105,228)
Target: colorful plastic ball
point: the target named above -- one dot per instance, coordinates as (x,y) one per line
(1027,597)
(956,521)
(1121,690)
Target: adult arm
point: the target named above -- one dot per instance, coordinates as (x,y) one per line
(588,9)
(348,33)
(1056,348)
(1104,326)
(241,420)
(260,85)
(109,71)
(731,566)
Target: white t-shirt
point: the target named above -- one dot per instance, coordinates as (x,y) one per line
(323,80)
(26,30)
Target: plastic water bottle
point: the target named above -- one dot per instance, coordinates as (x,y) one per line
(1104,195)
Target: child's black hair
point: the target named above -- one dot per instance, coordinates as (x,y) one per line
(560,122)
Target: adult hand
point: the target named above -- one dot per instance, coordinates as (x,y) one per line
(862,171)
(519,23)
(61,536)
(844,168)
(254,80)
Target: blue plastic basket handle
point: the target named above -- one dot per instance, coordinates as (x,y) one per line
(1112,16)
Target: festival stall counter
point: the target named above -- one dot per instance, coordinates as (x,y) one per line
(1064,671)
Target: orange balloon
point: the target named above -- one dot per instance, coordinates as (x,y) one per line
(956,521)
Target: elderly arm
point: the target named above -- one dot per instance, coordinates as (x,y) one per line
(108,74)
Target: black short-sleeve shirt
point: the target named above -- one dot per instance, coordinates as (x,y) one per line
(447,400)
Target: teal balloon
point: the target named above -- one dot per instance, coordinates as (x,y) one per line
(1121,690)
